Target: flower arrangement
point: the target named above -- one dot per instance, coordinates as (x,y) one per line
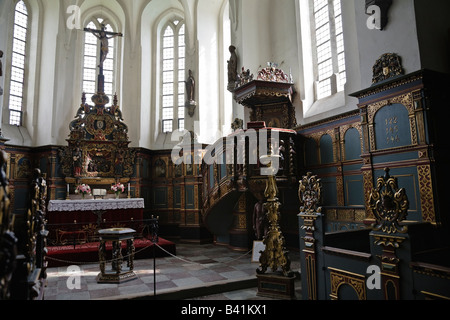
(118,188)
(84,189)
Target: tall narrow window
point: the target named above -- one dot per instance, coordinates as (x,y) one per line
(173,72)
(17,85)
(329,47)
(92,60)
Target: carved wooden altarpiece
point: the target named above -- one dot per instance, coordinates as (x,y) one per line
(97,151)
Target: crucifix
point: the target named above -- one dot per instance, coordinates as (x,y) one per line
(103,36)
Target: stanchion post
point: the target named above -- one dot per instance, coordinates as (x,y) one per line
(154,233)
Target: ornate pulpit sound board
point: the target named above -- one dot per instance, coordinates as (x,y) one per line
(269,96)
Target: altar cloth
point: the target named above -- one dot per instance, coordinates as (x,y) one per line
(95,204)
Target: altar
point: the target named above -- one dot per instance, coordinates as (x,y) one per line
(78,221)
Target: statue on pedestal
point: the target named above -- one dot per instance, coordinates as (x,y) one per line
(1,71)
(232,69)
(190,91)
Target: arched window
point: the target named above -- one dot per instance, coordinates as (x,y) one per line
(91,60)
(328,44)
(172,74)
(19,51)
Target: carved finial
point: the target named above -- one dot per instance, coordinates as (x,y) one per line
(115,100)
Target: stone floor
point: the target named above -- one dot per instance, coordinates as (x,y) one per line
(196,272)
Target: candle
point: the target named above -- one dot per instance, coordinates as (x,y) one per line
(129,186)
(67,188)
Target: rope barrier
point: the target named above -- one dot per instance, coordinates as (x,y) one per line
(193,262)
(93,262)
(140,250)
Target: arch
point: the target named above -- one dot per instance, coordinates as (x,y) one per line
(347,292)
(152,23)
(326,149)
(352,144)
(311,152)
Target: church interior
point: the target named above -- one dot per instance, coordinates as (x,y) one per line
(289,128)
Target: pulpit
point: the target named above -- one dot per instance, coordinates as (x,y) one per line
(269,97)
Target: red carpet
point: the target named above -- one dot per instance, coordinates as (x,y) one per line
(58,256)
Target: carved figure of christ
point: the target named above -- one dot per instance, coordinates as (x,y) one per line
(103,36)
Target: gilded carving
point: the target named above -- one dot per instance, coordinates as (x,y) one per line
(387,66)
(98,143)
(310,194)
(340,190)
(342,277)
(389,204)
(368,185)
(426,193)
(275,254)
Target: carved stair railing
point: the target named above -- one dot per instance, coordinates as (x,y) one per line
(240,171)
(236,170)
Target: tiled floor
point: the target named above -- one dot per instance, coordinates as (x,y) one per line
(196,272)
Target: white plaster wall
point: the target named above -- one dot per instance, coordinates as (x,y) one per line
(400,37)
(44,110)
(208,34)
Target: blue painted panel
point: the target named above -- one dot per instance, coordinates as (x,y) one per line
(20,200)
(190,198)
(354,191)
(311,153)
(352,167)
(177,197)
(395,157)
(326,149)
(43,164)
(211,176)
(145,166)
(223,171)
(329,192)
(392,128)
(352,144)
(160,197)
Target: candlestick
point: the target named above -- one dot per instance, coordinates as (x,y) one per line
(67,193)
